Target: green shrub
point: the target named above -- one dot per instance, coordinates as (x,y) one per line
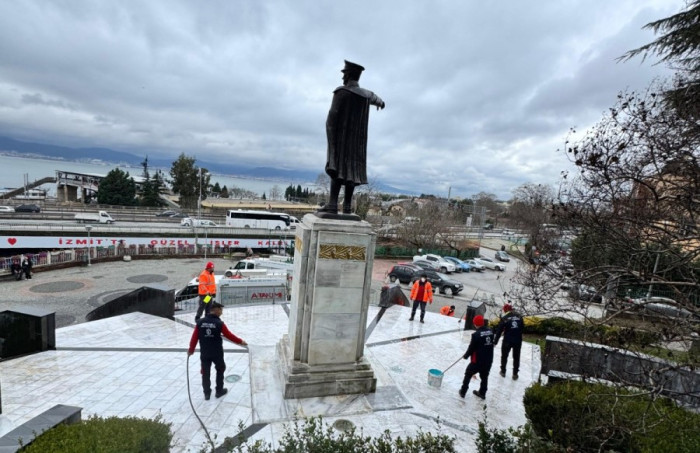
(628,337)
(610,336)
(105,435)
(512,440)
(596,417)
(316,436)
(553,326)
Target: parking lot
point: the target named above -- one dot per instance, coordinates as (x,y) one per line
(489,285)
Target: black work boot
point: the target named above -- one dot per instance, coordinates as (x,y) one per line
(220,393)
(476,392)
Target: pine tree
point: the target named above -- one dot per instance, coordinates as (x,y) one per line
(117,188)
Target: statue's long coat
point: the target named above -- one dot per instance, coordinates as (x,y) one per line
(346,130)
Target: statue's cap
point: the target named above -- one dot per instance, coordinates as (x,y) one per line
(352,68)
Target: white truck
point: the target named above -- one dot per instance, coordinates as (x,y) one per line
(438,262)
(94,217)
(269,265)
(232,291)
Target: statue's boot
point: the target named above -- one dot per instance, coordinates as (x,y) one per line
(347,202)
(332,205)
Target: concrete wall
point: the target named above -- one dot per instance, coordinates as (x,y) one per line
(591,360)
(150,300)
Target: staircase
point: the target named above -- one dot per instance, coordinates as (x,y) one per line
(32,185)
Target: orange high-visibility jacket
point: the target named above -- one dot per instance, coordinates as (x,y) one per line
(427,293)
(446,311)
(207,283)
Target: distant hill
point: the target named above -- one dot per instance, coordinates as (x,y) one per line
(62,152)
(38,150)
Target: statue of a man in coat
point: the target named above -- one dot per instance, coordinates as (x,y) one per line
(346,130)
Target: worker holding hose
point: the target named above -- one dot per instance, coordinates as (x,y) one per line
(208,332)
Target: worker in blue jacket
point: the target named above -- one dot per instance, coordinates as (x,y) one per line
(480,354)
(511,327)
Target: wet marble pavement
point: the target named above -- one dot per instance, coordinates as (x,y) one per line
(136,365)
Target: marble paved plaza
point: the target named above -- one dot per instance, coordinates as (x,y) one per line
(136,365)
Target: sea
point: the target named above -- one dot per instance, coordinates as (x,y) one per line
(15,170)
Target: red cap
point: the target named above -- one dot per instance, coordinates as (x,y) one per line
(507,308)
(478,320)
(210,265)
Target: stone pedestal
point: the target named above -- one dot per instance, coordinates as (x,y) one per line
(323,352)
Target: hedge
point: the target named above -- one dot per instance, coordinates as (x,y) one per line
(595,417)
(621,337)
(105,435)
(314,435)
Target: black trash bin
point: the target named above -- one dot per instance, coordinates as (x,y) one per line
(392,294)
(474,309)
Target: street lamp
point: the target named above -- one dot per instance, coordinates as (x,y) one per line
(206,242)
(88,228)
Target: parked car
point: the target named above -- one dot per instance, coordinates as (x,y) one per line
(427,265)
(586,292)
(491,264)
(440,282)
(404,273)
(502,256)
(663,306)
(460,266)
(27,208)
(6,209)
(188,222)
(166,214)
(476,266)
(439,263)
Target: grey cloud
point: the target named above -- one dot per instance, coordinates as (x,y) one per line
(478,94)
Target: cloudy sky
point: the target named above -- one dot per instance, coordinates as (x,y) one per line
(480,95)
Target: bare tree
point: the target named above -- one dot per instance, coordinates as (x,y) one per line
(633,207)
(433,223)
(275,192)
(489,201)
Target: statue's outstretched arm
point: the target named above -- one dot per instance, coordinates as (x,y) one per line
(376,100)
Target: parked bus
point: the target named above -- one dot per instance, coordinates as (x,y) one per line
(257,219)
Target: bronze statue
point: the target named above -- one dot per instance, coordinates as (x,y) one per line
(346,130)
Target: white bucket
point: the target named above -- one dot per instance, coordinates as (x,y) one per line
(435,378)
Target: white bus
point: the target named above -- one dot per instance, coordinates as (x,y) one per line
(257,219)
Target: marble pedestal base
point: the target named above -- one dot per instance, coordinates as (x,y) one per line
(323,352)
(304,381)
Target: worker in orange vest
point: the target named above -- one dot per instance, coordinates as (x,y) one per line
(207,290)
(421,293)
(447,311)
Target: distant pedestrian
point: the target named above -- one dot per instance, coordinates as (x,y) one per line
(207,290)
(208,333)
(448,311)
(421,293)
(511,327)
(480,354)
(27,267)
(16,269)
